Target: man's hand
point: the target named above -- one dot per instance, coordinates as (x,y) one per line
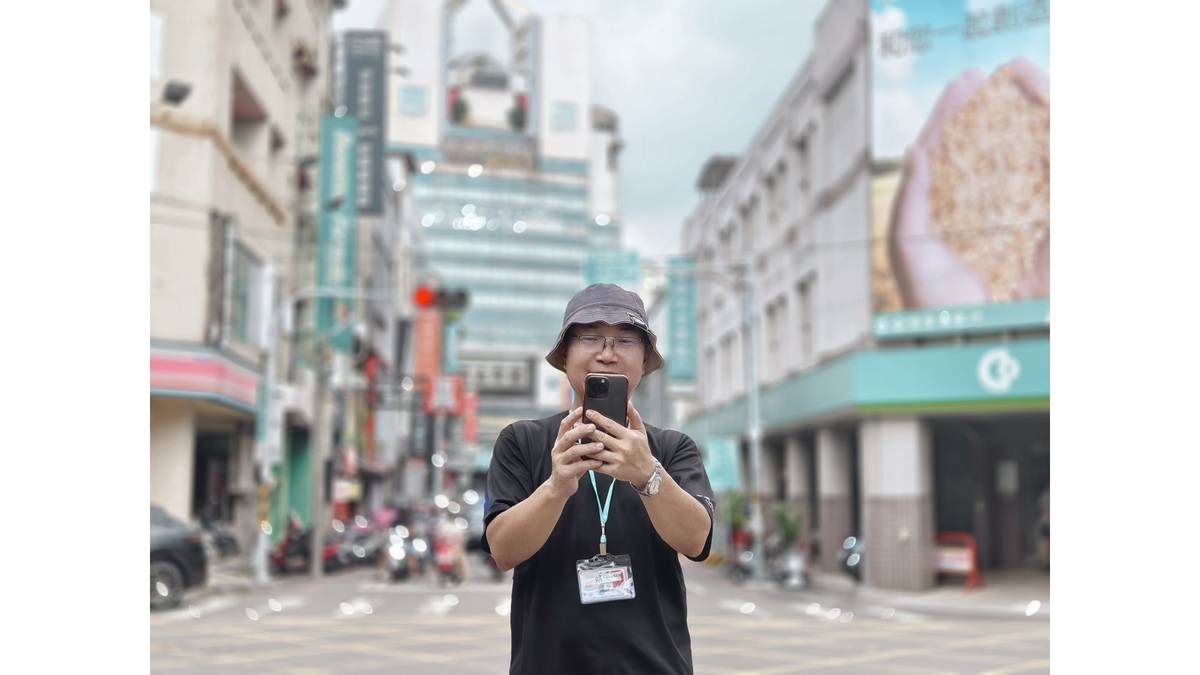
(568,455)
(626,455)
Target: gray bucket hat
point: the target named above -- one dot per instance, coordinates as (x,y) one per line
(606,303)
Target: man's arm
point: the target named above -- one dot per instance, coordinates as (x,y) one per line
(677,517)
(521,530)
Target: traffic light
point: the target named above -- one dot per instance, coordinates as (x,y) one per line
(427,297)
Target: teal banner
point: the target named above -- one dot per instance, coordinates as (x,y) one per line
(722,465)
(337,231)
(681,319)
(940,321)
(622,268)
(996,372)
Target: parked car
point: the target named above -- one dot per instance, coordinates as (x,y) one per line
(178,560)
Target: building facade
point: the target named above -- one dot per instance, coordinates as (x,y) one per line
(236,89)
(515,181)
(892,427)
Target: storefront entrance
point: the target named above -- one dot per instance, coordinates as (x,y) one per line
(992,480)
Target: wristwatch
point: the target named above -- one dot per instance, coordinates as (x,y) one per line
(653,484)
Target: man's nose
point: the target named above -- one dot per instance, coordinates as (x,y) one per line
(609,351)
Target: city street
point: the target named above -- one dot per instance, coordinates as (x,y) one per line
(352,622)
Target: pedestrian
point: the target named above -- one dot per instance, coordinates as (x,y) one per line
(553,499)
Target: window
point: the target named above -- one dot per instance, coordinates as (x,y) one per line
(772,336)
(804,161)
(412,101)
(246,306)
(562,116)
(804,292)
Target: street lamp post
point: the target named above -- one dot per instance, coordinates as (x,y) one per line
(745,284)
(754,415)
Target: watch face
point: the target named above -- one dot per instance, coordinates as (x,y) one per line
(655,482)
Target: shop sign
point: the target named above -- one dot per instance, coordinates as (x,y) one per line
(721,464)
(203,374)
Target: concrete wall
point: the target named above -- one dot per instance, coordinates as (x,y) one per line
(835,487)
(897,503)
(602,181)
(420,26)
(172,453)
(566,77)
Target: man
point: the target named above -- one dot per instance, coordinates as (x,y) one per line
(545,490)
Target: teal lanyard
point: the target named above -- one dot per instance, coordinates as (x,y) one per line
(603,509)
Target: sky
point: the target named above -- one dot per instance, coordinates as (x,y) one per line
(688,78)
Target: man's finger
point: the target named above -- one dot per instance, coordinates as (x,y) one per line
(570,420)
(577,451)
(606,424)
(583,465)
(635,419)
(609,442)
(607,456)
(569,438)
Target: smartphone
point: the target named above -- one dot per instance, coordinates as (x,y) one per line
(608,395)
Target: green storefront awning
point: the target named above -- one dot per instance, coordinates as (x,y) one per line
(986,376)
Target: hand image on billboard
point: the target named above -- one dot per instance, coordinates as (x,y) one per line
(928,270)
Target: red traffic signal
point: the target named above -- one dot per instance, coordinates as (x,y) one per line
(425,297)
(428,298)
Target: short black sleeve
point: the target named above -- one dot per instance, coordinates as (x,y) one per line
(687,469)
(509,479)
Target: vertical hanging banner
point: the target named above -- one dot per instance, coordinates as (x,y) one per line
(681,319)
(337,230)
(622,268)
(361,89)
(471,418)
(428,344)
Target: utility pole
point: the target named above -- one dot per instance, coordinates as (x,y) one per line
(745,284)
(318,444)
(754,416)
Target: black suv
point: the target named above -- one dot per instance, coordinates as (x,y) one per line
(177,559)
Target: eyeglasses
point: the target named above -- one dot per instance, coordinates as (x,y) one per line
(597,343)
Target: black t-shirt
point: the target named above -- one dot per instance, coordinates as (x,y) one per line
(552,631)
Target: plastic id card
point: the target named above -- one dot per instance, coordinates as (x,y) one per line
(605,578)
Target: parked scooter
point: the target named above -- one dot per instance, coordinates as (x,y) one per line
(788,567)
(850,559)
(292,553)
(364,543)
(740,566)
(405,555)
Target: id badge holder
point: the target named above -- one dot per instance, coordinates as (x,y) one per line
(605,578)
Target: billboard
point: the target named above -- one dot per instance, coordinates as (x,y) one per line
(360,87)
(960,131)
(337,229)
